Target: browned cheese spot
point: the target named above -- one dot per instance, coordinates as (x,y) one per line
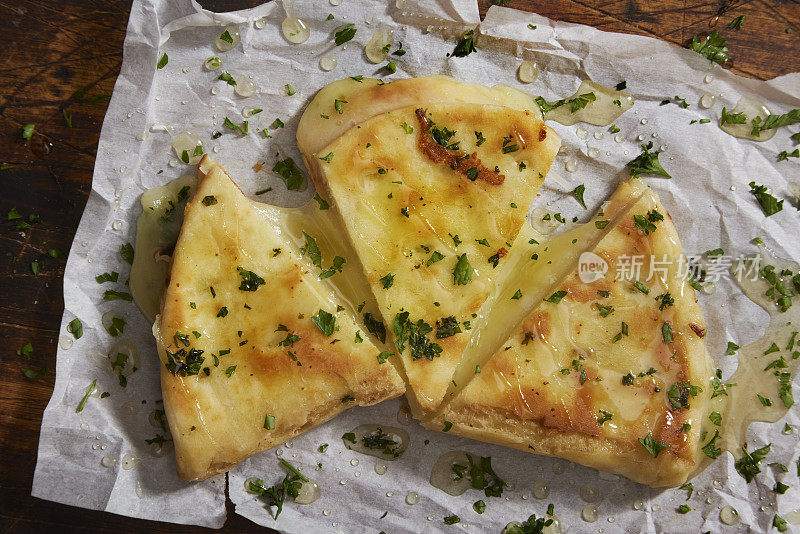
(456,160)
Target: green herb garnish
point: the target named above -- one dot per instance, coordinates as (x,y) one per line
(344,34)
(290,172)
(647,163)
(326,322)
(769,203)
(466,45)
(652,446)
(714,47)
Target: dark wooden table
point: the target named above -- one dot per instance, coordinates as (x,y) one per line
(55,48)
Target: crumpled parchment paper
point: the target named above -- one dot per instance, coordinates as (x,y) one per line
(708,198)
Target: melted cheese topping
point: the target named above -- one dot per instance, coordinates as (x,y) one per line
(157,230)
(400,206)
(262,353)
(548,387)
(555,257)
(321,123)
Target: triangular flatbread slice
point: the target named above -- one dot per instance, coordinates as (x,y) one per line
(535,264)
(253,348)
(608,371)
(432,199)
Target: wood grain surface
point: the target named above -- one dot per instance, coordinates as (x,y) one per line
(55,48)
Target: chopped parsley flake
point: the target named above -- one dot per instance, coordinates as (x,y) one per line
(710,449)
(666,301)
(415,334)
(732,118)
(647,163)
(651,445)
(466,45)
(110,294)
(556,297)
(26,132)
(242,129)
(481,475)
(387,281)
(338,262)
(91,389)
(375,327)
(344,34)
(269,422)
(447,327)
(290,172)
(75,327)
(638,286)
(578,194)
(453,519)
(436,256)
(250,280)
(748,465)
(769,203)
(462,273)
(774,121)
(326,322)
(116,327)
(666,332)
(604,311)
(226,36)
(679,393)
(714,47)
(736,24)
(311,249)
(126,252)
(323,204)
(604,416)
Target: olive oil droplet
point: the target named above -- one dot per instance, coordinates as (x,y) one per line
(729,516)
(328,62)
(590,514)
(295,30)
(528,71)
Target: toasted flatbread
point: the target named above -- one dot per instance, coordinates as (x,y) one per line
(245,365)
(536,263)
(603,372)
(432,199)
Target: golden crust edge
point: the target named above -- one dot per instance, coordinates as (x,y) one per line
(503,428)
(317,417)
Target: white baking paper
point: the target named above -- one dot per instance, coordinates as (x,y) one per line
(708,199)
